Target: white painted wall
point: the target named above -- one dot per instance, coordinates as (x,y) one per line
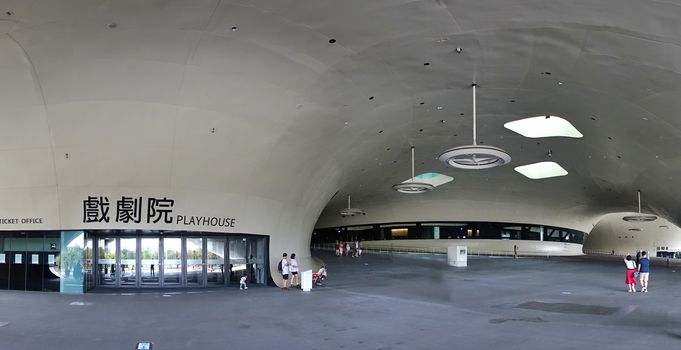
(613,233)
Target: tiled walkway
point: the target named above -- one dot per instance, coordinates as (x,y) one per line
(372,302)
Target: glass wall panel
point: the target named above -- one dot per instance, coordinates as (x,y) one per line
(215,250)
(16,247)
(4,264)
(35,242)
(257,261)
(194,261)
(72,258)
(149,262)
(128,262)
(238,254)
(88,269)
(51,271)
(106,261)
(172,261)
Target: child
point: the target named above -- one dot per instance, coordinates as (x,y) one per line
(321,276)
(242,283)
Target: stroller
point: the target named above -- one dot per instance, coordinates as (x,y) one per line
(319,277)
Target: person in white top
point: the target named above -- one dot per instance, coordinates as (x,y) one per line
(284,270)
(630,278)
(242,283)
(295,280)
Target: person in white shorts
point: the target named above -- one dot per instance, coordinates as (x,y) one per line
(295,280)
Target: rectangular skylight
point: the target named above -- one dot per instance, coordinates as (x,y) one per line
(544,126)
(541,170)
(434,179)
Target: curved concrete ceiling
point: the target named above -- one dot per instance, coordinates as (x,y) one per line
(250,107)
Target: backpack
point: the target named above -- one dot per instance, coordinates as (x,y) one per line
(279,267)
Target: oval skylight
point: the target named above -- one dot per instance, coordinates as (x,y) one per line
(541,170)
(433,179)
(543,126)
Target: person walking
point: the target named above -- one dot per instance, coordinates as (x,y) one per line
(284,269)
(340,248)
(630,279)
(295,280)
(644,271)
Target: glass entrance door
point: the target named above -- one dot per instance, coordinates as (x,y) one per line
(247,258)
(172,262)
(149,262)
(128,262)
(215,250)
(195,262)
(106,262)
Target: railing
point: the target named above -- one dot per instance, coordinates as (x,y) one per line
(669,262)
(397,249)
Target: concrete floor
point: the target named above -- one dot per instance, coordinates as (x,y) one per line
(372,302)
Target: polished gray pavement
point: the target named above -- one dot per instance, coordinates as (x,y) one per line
(372,302)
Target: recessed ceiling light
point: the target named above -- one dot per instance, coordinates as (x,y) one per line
(439,108)
(474,156)
(543,126)
(442,121)
(420,130)
(371,97)
(411,186)
(332,41)
(511,101)
(422,103)
(427,64)
(541,170)
(459,50)
(546,73)
(350,211)
(560,83)
(380,131)
(640,217)
(593,118)
(235,29)
(112,25)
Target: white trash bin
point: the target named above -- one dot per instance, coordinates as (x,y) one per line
(306,280)
(457,256)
